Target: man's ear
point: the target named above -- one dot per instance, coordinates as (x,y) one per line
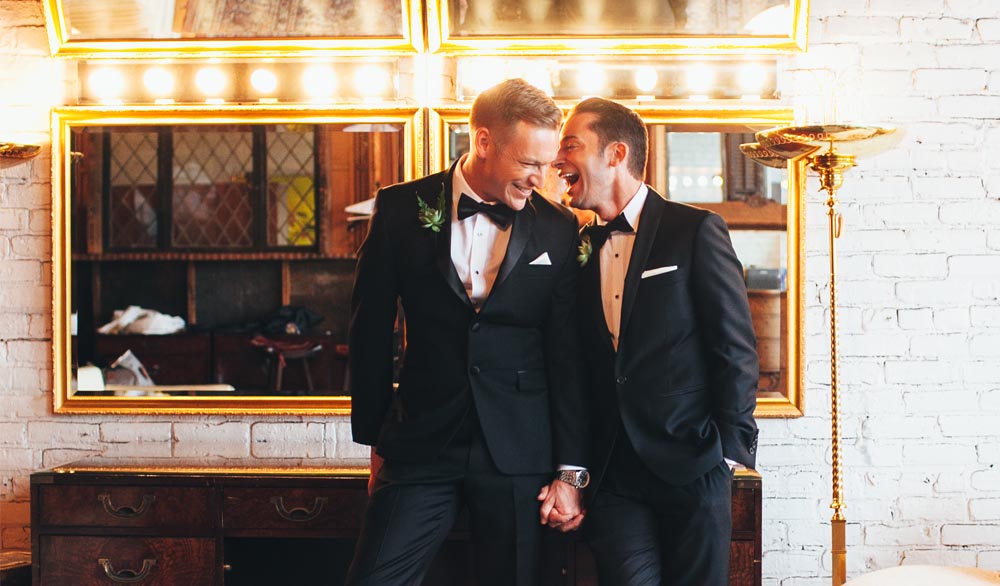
(481,141)
(617,153)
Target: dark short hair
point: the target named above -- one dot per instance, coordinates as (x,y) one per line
(614,122)
(502,106)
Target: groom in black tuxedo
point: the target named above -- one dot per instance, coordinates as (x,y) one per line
(671,362)
(490,400)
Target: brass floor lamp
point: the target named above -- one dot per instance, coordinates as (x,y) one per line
(830,150)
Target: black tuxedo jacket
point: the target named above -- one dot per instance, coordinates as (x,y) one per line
(516,360)
(683,382)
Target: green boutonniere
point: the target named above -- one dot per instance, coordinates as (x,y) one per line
(585,249)
(429,217)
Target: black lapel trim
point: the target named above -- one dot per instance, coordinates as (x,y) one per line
(649,224)
(443,241)
(520,234)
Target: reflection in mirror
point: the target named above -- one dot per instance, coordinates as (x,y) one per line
(215,260)
(138,19)
(234,28)
(619,17)
(700,164)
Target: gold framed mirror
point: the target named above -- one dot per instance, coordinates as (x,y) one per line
(616,26)
(694,157)
(205,28)
(203,256)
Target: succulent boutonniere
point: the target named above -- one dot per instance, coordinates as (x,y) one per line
(585,249)
(431,217)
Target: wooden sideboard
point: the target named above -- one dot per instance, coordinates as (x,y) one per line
(248,525)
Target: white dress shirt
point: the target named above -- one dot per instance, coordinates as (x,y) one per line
(615,255)
(478,245)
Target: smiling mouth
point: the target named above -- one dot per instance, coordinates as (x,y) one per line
(569,178)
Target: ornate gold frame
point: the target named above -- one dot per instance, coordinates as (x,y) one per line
(440,39)
(64,119)
(412,41)
(701,115)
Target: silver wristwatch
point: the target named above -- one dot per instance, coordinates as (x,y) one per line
(576,478)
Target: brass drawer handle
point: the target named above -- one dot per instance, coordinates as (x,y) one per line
(127,576)
(298,514)
(125,511)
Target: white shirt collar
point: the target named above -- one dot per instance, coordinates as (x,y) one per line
(633,208)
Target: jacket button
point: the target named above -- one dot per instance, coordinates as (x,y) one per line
(621,380)
(476,326)
(474,370)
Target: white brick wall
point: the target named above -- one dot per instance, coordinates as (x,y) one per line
(920,304)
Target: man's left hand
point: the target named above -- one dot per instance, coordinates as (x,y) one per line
(562,506)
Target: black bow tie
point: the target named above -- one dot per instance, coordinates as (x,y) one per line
(500,214)
(599,234)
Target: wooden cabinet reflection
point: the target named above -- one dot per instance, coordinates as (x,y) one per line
(222,225)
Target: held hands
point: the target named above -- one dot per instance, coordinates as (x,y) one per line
(562,506)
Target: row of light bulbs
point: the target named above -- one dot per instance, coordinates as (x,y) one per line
(217,82)
(319,82)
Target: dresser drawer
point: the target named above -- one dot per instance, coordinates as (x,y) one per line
(108,561)
(291,508)
(125,506)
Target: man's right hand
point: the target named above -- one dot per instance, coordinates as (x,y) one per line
(376,465)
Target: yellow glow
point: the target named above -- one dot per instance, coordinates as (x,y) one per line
(210,81)
(700,79)
(751,78)
(645,78)
(158,81)
(479,74)
(264,81)
(591,79)
(371,80)
(319,81)
(106,83)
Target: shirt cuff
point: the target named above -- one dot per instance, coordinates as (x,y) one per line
(570,467)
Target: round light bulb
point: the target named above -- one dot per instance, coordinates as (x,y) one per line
(210,81)
(645,78)
(591,79)
(264,81)
(158,81)
(106,83)
(751,78)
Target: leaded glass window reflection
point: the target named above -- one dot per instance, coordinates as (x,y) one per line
(291,192)
(132,216)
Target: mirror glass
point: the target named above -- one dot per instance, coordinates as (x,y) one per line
(93,27)
(213,259)
(700,164)
(626,26)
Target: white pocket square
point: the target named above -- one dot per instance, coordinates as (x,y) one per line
(659,271)
(543,259)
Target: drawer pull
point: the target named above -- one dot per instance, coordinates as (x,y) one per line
(127,576)
(298,514)
(125,511)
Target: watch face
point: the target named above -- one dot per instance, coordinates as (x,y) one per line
(583,479)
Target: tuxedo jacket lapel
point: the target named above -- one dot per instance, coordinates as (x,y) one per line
(649,225)
(442,243)
(524,223)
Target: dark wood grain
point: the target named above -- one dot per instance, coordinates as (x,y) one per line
(75,561)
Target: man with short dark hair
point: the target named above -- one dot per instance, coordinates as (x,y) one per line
(670,360)
(490,398)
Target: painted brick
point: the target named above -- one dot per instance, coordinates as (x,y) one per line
(876,534)
(900,215)
(911,265)
(63,433)
(939,454)
(915,319)
(345,448)
(984,509)
(287,440)
(981,426)
(900,427)
(934,344)
(934,401)
(969,534)
(986,480)
(951,319)
(934,508)
(937,29)
(226,439)
(918,372)
(988,28)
